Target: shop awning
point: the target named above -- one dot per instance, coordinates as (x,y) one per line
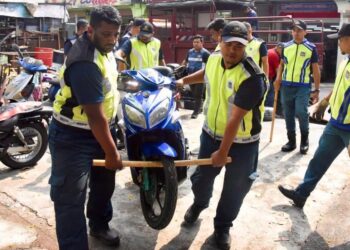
(17,10)
(49,10)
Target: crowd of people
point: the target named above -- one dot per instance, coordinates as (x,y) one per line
(240,77)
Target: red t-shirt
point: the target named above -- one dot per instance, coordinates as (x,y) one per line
(274,62)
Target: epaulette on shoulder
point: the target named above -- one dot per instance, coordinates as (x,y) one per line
(251,66)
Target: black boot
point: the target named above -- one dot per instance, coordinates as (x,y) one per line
(304,143)
(222,239)
(107,236)
(292,194)
(291,144)
(192,214)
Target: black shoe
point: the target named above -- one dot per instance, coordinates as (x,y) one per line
(291,144)
(222,239)
(108,236)
(304,144)
(194,115)
(298,200)
(288,147)
(192,214)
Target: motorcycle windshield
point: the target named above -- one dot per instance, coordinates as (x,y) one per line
(149,79)
(17,84)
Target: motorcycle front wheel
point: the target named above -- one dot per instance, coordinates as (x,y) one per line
(158,194)
(35,135)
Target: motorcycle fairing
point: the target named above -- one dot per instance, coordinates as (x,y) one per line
(17,84)
(16,108)
(150,149)
(33,65)
(149,79)
(146,103)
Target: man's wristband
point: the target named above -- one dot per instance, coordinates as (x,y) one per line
(315,90)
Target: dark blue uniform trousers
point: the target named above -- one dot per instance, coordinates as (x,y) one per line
(239,177)
(72,153)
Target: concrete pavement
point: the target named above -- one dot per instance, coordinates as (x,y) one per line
(266,221)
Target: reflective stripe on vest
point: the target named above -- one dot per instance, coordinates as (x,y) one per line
(69,112)
(144,55)
(253,50)
(297,63)
(222,84)
(340,99)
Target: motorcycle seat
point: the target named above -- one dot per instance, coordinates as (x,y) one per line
(7,125)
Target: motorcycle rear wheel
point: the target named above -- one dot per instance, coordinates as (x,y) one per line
(159,202)
(33,133)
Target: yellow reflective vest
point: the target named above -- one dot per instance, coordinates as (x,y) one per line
(297,63)
(340,98)
(144,55)
(253,50)
(221,86)
(66,107)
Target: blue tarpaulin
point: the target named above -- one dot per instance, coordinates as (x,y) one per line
(14,10)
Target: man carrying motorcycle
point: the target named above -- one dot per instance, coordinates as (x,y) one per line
(232,108)
(81,130)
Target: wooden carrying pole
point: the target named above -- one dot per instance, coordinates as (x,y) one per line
(151,164)
(273,114)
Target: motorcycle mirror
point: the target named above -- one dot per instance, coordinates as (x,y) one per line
(13,34)
(16,48)
(119,59)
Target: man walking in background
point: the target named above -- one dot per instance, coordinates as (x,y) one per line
(195,60)
(82,26)
(336,135)
(144,50)
(298,66)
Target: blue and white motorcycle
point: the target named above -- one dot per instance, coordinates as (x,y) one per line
(26,85)
(153,132)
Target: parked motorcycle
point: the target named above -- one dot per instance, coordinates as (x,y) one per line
(153,132)
(26,85)
(23,135)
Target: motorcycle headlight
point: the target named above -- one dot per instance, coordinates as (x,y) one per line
(135,116)
(159,113)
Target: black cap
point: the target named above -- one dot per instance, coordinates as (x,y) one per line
(82,23)
(235,31)
(146,29)
(299,24)
(138,22)
(217,24)
(344,31)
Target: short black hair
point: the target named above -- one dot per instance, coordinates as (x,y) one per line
(217,24)
(105,13)
(198,37)
(82,23)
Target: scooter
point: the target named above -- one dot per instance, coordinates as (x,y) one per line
(26,85)
(23,135)
(153,132)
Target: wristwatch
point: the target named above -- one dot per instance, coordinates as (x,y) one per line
(315,90)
